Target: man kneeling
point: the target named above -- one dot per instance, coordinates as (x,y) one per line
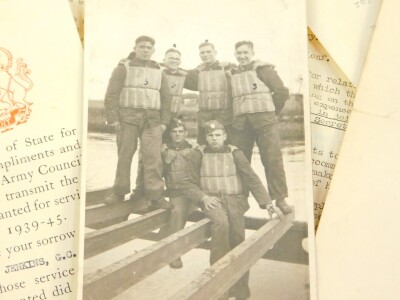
(219,177)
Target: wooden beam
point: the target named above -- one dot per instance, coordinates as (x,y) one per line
(114,279)
(97,196)
(217,279)
(115,235)
(94,217)
(287,249)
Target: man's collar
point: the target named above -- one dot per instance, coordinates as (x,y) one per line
(208,149)
(183,145)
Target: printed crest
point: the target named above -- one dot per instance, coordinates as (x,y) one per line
(15,83)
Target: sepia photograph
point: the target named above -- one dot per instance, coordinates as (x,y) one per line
(198,173)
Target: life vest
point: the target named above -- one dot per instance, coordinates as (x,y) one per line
(213,87)
(250,94)
(176,172)
(141,87)
(176,83)
(219,174)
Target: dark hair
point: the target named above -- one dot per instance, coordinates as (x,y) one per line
(241,43)
(206,43)
(172,50)
(145,38)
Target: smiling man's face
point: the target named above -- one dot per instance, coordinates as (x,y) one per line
(244,55)
(208,54)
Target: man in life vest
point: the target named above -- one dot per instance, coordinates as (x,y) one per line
(175,78)
(219,176)
(175,157)
(210,80)
(258,95)
(137,105)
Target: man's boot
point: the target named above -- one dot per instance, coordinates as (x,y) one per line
(176,264)
(283,206)
(137,194)
(113,199)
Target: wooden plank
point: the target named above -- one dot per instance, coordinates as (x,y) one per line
(217,279)
(287,249)
(114,279)
(97,196)
(115,235)
(103,214)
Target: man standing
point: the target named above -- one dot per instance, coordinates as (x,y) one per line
(138,106)
(214,98)
(219,176)
(174,77)
(258,95)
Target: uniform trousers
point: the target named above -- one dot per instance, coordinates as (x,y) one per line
(268,142)
(150,145)
(228,231)
(181,210)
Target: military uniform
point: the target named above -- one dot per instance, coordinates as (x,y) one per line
(258,95)
(137,96)
(225,174)
(176,83)
(175,163)
(214,96)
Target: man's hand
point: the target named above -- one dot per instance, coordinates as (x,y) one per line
(164,147)
(272,211)
(211,202)
(114,125)
(169,156)
(163,128)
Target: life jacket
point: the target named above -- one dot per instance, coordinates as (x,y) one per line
(212,86)
(219,174)
(176,172)
(141,87)
(176,83)
(250,94)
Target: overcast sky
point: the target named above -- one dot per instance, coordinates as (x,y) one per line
(277,28)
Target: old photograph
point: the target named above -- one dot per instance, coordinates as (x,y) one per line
(198,173)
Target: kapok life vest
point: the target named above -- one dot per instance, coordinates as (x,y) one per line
(213,87)
(250,94)
(176,83)
(219,174)
(141,87)
(176,172)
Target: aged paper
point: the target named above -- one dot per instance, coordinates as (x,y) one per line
(275,28)
(358,240)
(344,28)
(40,134)
(331,101)
(78,12)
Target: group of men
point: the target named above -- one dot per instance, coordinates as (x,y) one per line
(238,107)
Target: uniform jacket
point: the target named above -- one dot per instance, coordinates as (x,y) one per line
(192,83)
(268,75)
(135,116)
(175,161)
(250,180)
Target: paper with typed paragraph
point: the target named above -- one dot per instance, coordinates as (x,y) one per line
(331,101)
(358,238)
(345,29)
(40,151)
